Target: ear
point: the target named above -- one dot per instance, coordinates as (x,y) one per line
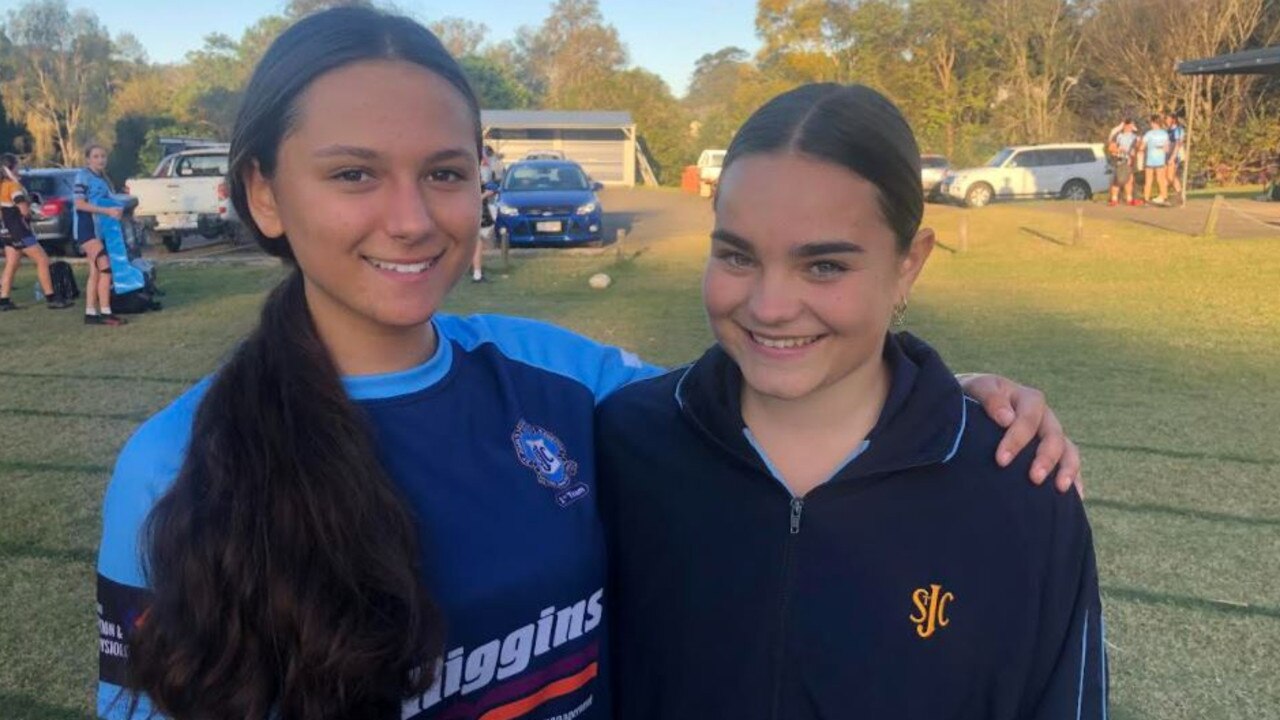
(912,262)
(262,202)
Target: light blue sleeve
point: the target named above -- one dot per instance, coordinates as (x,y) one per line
(601,368)
(144,470)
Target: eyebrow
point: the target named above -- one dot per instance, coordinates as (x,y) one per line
(369,154)
(807,250)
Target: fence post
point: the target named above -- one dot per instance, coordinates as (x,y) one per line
(964,232)
(1211,222)
(1078,238)
(620,238)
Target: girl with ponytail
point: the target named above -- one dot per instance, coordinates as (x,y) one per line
(372,509)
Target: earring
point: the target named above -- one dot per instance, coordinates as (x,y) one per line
(900,314)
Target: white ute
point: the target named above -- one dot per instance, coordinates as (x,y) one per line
(187,193)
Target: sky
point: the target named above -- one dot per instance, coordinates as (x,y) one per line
(663,36)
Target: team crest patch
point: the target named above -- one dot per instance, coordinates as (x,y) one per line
(542,452)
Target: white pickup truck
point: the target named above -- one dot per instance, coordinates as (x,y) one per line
(186,194)
(709,163)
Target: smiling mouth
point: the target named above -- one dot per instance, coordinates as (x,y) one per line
(404,268)
(784,343)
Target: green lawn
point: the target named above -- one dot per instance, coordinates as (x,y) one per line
(1157,350)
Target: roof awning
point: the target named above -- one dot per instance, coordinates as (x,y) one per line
(1263,61)
(575,119)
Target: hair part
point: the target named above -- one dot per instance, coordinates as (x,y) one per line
(284,563)
(852,126)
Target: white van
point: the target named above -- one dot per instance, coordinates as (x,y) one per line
(1072,171)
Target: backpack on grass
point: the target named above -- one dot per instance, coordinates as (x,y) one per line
(64,281)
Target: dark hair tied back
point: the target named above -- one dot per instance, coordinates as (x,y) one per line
(284,563)
(849,125)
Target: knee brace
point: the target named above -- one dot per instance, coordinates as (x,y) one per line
(103,263)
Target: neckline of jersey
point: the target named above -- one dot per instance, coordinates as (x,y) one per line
(403,382)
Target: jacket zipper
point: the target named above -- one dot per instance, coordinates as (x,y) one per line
(797,510)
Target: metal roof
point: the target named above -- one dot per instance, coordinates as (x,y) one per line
(555,119)
(1263,61)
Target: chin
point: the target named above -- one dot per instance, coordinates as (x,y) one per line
(777,385)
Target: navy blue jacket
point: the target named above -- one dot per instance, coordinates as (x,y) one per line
(920,581)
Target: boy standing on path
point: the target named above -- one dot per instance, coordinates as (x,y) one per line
(1120,148)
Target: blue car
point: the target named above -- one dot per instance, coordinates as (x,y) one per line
(549,203)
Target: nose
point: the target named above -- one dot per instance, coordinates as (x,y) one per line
(407,215)
(773,299)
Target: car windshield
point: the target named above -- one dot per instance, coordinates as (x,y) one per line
(933,161)
(43,185)
(523,178)
(715,159)
(999,158)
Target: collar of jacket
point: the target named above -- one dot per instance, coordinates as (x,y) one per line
(921,423)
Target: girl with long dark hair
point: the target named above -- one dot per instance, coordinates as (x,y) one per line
(372,509)
(811,525)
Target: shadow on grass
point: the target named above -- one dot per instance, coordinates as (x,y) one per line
(1182,454)
(99,378)
(22,466)
(26,707)
(1152,508)
(28,412)
(1187,602)
(17,550)
(1044,236)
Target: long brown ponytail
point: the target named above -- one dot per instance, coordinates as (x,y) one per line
(284,563)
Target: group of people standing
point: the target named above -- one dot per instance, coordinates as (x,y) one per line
(91,187)
(1159,154)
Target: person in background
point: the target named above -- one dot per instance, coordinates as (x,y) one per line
(490,177)
(15,213)
(91,187)
(1177,152)
(1120,148)
(1154,148)
(806,523)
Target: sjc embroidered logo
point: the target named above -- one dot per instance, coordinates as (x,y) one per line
(543,453)
(932,606)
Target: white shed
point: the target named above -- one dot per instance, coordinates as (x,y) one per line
(602,142)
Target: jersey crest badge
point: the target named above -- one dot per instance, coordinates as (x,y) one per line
(542,452)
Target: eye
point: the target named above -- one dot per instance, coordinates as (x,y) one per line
(735,259)
(824,269)
(352,175)
(446,175)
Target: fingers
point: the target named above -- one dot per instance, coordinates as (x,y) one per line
(1029,413)
(1069,471)
(1053,443)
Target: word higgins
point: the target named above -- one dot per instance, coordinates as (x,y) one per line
(463,672)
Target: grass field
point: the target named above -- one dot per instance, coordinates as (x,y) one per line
(1157,350)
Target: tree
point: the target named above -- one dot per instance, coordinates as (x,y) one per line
(952,42)
(1041,60)
(460,37)
(62,76)
(494,84)
(569,56)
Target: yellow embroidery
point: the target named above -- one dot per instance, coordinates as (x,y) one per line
(932,606)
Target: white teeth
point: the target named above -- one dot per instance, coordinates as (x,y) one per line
(784,343)
(401,267)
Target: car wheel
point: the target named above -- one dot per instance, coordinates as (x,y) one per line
(172,241)
(979,195)
(1076,190)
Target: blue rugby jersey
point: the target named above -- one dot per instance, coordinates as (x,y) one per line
(491,442)
(88,185)
(919,581)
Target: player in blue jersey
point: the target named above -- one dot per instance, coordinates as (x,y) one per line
(810,524)
(91,187)
(373,509)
